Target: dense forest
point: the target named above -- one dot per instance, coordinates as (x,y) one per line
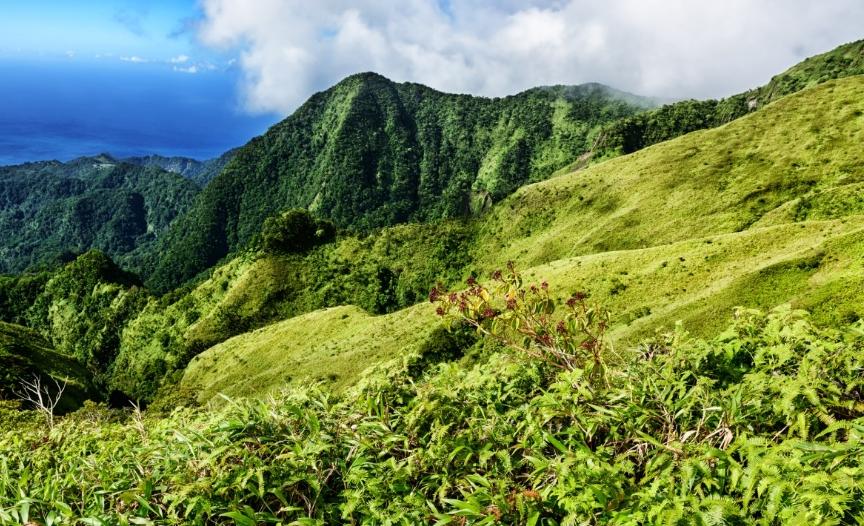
(51,211)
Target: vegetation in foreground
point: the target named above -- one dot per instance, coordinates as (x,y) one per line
(540,422)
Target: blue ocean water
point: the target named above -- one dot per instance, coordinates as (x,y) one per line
(61,110)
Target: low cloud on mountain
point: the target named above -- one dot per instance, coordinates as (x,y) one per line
(666,48)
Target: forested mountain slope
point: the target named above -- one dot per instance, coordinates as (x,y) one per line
(370,153)
(51,210)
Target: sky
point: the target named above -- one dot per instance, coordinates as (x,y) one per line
(127,78)
(196,77)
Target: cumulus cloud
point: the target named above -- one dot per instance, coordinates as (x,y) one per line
(667,48)
(179,59)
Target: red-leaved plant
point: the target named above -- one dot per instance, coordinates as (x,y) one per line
(524,318)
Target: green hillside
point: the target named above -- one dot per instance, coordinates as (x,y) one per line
(52,211)
(380,273)
(329,346)
(370,153)
(763,211)
(720,181)
(674,120)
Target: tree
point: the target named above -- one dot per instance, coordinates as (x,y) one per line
(294,231)
(41,397)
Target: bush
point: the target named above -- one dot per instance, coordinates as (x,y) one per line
(294,231)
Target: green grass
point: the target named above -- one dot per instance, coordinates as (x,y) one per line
(329,346)
(700,282)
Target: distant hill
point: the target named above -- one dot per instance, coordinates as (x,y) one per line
(370,152)
(199,172)
(50,211)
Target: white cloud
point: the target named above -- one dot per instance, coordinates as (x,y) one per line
(669,48)
(187,69)
(179,59)
(135,59)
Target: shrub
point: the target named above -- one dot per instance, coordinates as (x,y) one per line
(294,231)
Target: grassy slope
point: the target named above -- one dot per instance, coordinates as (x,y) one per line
(329,345)
(688,229)
(379,274)
(706,183)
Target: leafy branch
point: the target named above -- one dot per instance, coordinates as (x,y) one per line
(524,319)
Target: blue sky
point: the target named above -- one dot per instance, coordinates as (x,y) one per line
(128,78)
(90,28)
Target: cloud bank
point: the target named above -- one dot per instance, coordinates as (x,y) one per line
(669,48)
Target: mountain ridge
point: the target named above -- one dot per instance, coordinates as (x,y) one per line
(199,172)
(369,152)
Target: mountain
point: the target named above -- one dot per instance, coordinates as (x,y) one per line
(673,120)
(369,153)
(764,211)
(51,210)
(199,172)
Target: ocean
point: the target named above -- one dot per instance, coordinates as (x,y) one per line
(60,110)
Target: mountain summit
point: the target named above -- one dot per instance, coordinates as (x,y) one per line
(370,152)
